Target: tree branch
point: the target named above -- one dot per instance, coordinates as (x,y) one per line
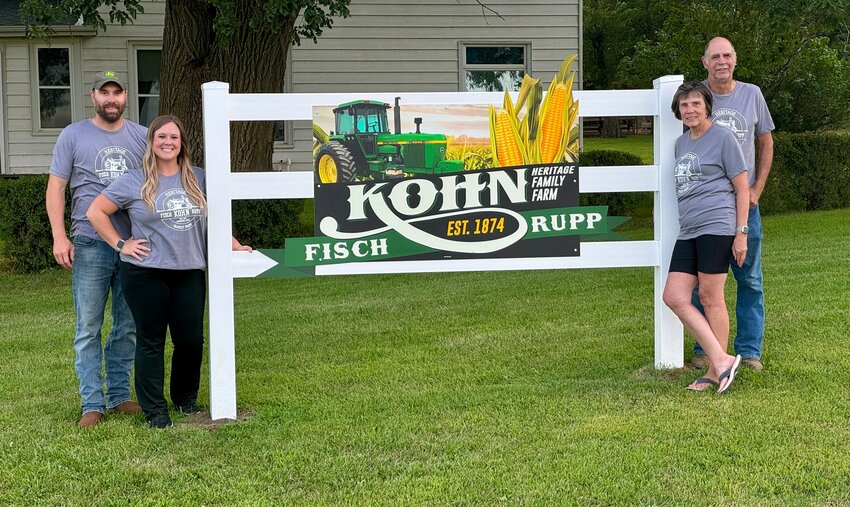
(484,9)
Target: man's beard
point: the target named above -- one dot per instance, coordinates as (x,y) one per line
(108,116)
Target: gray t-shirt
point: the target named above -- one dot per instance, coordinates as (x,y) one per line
(90,159)
(744,112)
(176,229)
(704,169)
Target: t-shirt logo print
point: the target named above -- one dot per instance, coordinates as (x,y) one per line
(733,121)
(110,163)
(687,173)
(176,210)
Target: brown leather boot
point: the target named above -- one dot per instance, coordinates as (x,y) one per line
(90,419)
(128,408)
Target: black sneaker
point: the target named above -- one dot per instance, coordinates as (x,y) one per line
(189,408)
(160,421)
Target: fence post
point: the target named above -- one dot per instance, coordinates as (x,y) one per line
(220,261)
(669,335)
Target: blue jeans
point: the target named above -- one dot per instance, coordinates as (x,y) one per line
(749,307)
(94,272)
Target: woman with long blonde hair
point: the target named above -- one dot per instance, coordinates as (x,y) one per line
(162,265)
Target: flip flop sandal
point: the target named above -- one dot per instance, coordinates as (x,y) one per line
(729,376)
(701,384)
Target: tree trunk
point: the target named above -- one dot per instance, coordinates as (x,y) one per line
(611,127)
(250,61)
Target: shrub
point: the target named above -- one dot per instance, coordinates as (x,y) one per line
(621,203)
(26,243)
(810,171)
(266,223)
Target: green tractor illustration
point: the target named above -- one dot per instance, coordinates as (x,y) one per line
(362,146)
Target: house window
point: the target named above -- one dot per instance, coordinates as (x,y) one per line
(147,83)
(54,87)
(283,130)
(280,131)
(494,67)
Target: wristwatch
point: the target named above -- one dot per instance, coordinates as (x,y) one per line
(120,245)
(742,229)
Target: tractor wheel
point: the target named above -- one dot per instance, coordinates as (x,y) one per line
(334,163)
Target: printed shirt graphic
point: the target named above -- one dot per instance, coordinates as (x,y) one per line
(90,159)
(703,173)
(176,210)
(176,229)
(687,173)
(744,113)
(112,162)
(734,121)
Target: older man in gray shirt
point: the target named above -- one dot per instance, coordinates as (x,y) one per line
(741,108)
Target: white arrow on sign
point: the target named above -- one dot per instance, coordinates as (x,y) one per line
(251,264)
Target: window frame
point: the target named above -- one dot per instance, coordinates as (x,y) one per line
(133,75)
(73,87)
(463,66)
(288,142)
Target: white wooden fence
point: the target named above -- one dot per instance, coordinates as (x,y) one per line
(221,107)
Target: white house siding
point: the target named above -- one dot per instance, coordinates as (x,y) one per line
(385,45)
(30,152)
(400,46)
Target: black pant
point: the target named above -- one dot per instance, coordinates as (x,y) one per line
(160,299)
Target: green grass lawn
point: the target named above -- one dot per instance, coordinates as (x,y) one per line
(639,145)
(516,388)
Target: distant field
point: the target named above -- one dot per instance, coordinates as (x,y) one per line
(639,145)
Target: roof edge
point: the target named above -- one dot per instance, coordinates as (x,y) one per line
(60,30)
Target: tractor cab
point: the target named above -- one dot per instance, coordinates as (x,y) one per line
(362,117)
(361,121)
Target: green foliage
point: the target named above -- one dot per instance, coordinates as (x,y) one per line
(40,15)
(797,51)
(811,171)
(266,223)
(26,243)
(608,157)
(619,203)
(230,15)
(611,28)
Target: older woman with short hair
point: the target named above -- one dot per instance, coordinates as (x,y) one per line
(713,197)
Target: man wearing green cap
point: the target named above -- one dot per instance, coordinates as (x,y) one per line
(89,155)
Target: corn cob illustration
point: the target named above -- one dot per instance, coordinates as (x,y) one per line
(505,140)
(559,114)
(547,132)
(320,137)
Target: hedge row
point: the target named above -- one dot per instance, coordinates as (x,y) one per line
(26,243)
(810,171)
(619,204)
(25,240)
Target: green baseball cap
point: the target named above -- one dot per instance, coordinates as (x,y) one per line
(108,76)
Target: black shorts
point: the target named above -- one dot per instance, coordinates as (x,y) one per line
(709,254)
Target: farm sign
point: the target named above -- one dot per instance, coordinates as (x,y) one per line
(529,211)
(440,182)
